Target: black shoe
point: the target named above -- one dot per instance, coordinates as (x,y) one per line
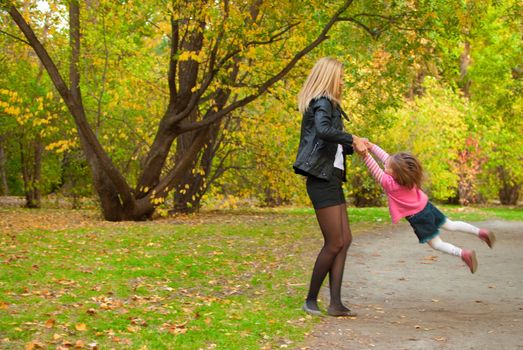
(311,311)
(339,313)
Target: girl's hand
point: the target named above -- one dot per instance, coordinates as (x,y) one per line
(359,145)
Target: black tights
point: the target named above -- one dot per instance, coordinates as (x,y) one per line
(334,224)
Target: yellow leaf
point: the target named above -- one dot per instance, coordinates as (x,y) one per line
(80,327)
(34,345)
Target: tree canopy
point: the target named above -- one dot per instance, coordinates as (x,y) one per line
(138,102)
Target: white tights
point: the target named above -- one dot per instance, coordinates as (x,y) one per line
(438,244)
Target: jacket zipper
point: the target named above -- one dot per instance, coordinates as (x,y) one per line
(312,152)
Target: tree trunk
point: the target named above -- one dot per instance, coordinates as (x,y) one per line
(464,63)
(416,87)
(509,191)
(4,187)
(509,194)
(189,192)
(31,172)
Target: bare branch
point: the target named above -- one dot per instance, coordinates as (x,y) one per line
(373,32)
(388,20)
(104,74)
(175,37)
(15,37)
(74,41)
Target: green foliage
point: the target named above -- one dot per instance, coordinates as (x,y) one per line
(433,128)
(402,73)
(498,88)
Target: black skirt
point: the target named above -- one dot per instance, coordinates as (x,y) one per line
(325,193)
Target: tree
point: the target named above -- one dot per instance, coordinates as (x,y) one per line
(210,76)
(496,86)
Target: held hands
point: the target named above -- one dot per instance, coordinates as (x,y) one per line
(361,145)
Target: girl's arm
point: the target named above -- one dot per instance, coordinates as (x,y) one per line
(378,152)
(374,168)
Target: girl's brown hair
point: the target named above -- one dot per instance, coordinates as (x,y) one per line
(406,169)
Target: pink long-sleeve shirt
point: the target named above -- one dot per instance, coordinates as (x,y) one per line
(402,200)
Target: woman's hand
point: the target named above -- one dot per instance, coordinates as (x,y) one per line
(359,144)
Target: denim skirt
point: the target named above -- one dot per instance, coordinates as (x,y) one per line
(426,223)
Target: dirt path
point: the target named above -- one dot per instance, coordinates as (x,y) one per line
(409,296)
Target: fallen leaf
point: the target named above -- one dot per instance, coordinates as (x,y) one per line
(50,323)
(133,329)
(175,328)
(81,327)
(431,257)
(34,345)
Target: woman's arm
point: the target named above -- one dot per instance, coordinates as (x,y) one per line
(323,123)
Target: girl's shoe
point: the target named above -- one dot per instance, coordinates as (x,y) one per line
(487,236)
(310,311)
(469,257)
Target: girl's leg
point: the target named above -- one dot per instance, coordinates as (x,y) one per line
(338,266)
(484,234)
(468,256)
(329,220)
(438,244)
(460,226)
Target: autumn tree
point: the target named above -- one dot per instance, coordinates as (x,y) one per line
(209,76)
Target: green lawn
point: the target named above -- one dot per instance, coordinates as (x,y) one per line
(220,280)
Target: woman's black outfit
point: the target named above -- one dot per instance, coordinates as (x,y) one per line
(321,132)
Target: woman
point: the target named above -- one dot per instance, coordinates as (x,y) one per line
(321,158)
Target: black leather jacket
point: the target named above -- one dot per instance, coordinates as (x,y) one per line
(321,132)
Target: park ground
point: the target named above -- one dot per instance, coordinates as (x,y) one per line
(237,279)
(409,296)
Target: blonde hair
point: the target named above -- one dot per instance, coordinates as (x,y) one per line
(406,169)
(323,80)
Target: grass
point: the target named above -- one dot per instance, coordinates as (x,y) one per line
(236,284)
(219,280)
(455,212)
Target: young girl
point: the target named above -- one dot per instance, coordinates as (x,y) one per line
(401,182)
